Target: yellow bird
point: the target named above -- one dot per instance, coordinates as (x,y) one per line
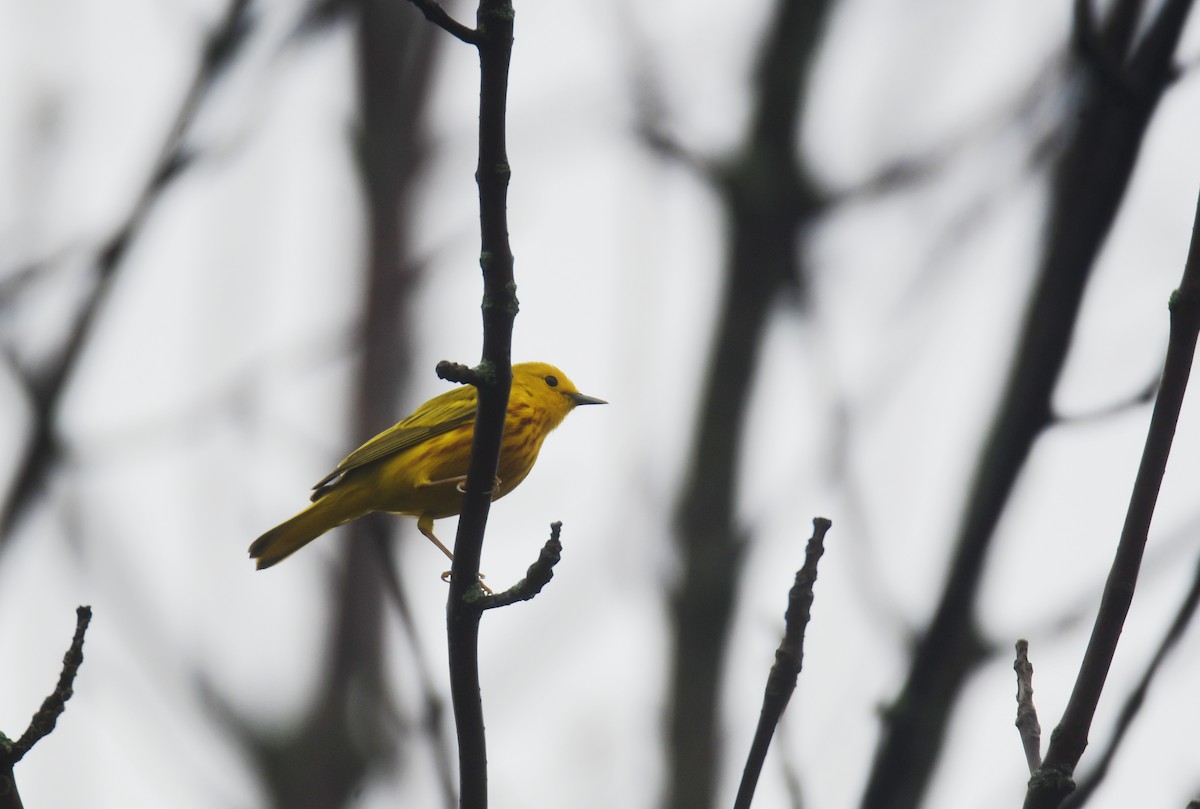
(418,466)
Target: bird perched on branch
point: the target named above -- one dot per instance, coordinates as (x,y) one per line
(418,467)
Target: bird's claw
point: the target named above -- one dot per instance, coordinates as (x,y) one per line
(486,589)
(461,486)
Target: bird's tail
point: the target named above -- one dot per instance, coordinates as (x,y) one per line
(288,537)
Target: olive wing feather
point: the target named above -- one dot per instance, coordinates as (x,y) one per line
(440,414)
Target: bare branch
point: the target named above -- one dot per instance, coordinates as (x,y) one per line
(537,577)
(47,716)
(1083,205)
(789,659)
(1052,783)
(494,39)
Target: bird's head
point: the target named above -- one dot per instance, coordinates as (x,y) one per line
(549,389)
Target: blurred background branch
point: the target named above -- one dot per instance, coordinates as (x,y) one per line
(45,385)
(767,201)
(350,731)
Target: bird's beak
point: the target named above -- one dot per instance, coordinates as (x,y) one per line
(583,399)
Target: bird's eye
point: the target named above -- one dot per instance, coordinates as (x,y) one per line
(552,381)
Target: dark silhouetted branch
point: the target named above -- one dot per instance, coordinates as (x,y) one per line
(46,718)
(493,39)
(1084,201)
(437,15)
(789,659)
(1053,781)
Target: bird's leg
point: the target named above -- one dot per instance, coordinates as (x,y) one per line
(458,480)
(425,526)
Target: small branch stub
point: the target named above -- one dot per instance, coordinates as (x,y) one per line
(457,373)
(1027,719)
(537,577)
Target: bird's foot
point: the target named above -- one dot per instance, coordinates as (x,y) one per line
(484,587)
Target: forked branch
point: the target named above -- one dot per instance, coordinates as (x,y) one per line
(437,15)
(1051,784)
(46,718)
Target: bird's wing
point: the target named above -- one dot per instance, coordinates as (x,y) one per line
(440,414)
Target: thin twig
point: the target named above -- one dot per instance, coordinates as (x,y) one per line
(1027,719)
(789,659)
(47,716)
(1135,700)
(437,15)
(538,576)
(1053,781)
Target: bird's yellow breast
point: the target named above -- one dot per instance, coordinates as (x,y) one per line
(413,482)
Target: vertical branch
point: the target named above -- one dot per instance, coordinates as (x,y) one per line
(10,798)
(1086,193)
(1052,783)
(493,37)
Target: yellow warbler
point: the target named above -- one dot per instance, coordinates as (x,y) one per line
(418,466)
